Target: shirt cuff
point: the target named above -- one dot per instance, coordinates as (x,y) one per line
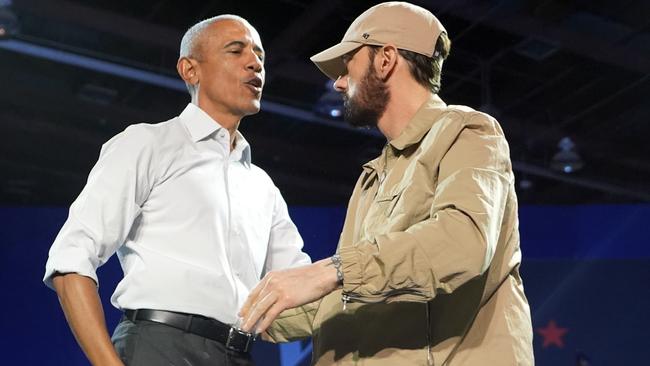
(62,263)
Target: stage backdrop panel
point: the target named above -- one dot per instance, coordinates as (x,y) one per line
(586,271)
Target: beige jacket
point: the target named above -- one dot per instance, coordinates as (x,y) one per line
(430,253)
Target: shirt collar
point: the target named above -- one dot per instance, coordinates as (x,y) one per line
(200,125)
(420,124)
(244,147)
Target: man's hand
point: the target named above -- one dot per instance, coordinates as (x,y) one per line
(287,289)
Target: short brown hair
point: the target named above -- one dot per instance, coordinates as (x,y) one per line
(424,69)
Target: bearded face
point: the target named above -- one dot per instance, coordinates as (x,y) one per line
(365,104)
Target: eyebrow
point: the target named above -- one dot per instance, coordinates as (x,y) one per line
(348,56)
(256,48)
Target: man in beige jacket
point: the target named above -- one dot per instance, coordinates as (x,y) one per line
(427,266)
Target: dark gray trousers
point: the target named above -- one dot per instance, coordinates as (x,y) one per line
(147,343)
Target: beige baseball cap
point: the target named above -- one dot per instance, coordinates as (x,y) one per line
(407,26)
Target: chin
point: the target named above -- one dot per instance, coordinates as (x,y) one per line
(253,107)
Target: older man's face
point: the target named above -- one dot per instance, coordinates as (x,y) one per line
(231,65)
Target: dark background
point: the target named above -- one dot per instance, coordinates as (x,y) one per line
(74,73)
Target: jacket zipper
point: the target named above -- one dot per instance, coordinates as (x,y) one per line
(428,325)
(348,297)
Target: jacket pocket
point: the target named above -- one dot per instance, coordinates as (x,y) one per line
(386,202)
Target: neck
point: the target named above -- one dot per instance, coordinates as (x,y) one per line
(226,120)
(405,100)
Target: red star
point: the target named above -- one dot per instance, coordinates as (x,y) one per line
(552,334)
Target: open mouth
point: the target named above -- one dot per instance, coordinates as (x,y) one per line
(255,84)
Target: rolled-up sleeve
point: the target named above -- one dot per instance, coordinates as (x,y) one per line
(101,217)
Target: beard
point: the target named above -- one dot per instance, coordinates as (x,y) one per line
(369,102)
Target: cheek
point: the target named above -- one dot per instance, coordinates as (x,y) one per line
(352,88)
(221,77)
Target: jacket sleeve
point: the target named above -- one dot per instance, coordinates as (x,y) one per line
(101,217)
(456,243)
(293,324)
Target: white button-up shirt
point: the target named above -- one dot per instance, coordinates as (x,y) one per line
(195,225)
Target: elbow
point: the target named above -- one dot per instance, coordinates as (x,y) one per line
(481,242)
(484,249)
(61,282)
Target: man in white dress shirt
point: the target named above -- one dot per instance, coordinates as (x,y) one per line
(195,225)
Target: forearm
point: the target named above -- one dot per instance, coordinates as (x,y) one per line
(287,289)
(83,310)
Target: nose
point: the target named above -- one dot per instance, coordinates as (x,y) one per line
(255,63)
(341,84)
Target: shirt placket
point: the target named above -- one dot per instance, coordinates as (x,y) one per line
(223,138)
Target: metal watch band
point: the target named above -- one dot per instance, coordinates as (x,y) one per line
(336,262)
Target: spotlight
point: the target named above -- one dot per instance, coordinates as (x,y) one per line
(335,112)
(525,184)
(9,25)
(567,159)
(330,104)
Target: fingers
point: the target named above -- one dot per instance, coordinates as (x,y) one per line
(253,296)
(269,317)
(267,300)
(259,311)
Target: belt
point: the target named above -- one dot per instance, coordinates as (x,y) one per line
(234,339)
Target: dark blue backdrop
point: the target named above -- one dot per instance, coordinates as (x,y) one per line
(586,271)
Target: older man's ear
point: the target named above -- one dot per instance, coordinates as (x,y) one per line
(188,69)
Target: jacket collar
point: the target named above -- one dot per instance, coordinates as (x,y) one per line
(415,130)
(420,124)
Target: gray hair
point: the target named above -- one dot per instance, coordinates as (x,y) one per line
(192,39)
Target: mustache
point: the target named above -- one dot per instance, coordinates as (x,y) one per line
(346,99)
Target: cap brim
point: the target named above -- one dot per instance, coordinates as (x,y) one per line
(330,61)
